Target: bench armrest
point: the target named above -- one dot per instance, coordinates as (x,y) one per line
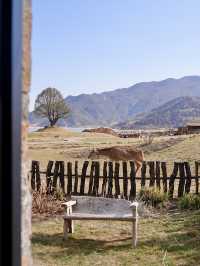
(134,207)
(69,203)
(68,206)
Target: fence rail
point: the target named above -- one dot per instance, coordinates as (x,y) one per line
(114,179)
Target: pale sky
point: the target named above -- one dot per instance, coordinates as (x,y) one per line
(87,46)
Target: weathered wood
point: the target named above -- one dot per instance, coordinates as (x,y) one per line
(105,178)
(188,177)
(197,176)
(152,173)
(33,174)
(164,174)
(65,229)
(134,207)
(116,178)
(172,179)
(98,208)
(55,175)
(37,173)
(91,181)
(76,178)
(133,183)
(96,179)
(69,177)
(182,179)
(110,179)
(83,175)
(98,217)
(158,175)
(143,174)
(125,180)
(61,176)
(49,177)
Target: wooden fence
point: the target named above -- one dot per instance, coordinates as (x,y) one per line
(98,179)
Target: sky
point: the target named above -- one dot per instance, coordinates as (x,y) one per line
(90,46)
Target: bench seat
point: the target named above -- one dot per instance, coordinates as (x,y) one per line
(99,208)
(89,216)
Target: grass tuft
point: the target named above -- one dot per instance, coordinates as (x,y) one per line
(189,201)
(153,197)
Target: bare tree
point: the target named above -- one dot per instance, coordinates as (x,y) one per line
(51,104)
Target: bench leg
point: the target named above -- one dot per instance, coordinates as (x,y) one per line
(71,226)
(65,229)
(134,233)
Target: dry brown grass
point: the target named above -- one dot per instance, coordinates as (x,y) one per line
(43,204)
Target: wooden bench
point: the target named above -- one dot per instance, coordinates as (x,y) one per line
(98,208)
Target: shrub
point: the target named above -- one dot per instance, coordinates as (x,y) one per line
(59,194)
(45,204)
(153,197)
(189,201)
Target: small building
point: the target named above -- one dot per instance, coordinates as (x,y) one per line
(193,127)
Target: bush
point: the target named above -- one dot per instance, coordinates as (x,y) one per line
(153,197)
(45,204)
(59,195)
(189,201)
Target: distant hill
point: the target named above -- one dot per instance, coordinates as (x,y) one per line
(107,108)
(174,113)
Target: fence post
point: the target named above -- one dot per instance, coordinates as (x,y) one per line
(133,183)
(116,178)
(125,180)
(172,179)
(96,179)
(158,175)
(197,176)
(110,179)
(152,173)
(69,176)
(33,173)
(188,177)
(49,177)
(143,174)
(164,174)
(91,181)
(62,176)
(182,180)
(55,176)
(76,178)
(105,177)
(83,175)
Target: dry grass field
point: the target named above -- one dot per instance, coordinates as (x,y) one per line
(171,239)
(62,144)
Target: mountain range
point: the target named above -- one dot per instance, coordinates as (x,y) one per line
(125,104)
(175,113)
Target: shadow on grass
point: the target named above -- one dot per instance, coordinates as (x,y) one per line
(82,246)
(181,240)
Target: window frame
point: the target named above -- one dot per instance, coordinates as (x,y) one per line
(11,18)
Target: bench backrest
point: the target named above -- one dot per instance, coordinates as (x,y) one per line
(100,205)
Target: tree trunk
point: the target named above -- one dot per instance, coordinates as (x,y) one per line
(52,122)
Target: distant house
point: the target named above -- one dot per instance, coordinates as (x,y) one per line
(192,127)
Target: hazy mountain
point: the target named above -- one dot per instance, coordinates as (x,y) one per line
(107,108)
(174,113)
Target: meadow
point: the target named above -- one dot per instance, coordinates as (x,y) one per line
(169,238)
